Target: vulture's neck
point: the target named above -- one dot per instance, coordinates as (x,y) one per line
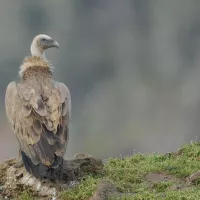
(37,51)
(34,65)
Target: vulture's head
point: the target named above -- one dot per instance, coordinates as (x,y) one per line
(41,43)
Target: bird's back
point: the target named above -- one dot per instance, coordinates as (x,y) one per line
(38,109)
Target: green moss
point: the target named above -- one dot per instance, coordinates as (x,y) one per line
(25,195)
(129,175)
(81,191)
(161,186)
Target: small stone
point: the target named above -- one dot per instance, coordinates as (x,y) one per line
(194,176)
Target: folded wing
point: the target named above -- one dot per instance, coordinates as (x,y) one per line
(39,116)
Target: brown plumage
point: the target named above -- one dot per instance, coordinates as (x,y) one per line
(38,109)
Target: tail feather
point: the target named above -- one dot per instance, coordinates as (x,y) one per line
(53,172)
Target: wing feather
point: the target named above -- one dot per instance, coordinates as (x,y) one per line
(39,116)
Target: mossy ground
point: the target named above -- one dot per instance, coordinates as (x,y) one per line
(129,174)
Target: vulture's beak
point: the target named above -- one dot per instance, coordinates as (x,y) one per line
(55,44)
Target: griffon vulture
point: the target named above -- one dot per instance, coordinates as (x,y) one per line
(38,109)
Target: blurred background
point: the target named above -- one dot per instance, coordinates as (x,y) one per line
(132,66)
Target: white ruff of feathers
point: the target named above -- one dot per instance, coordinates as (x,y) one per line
(28,65)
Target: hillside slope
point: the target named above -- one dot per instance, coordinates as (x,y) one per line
(171,176)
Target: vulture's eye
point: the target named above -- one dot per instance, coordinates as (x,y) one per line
(44,40)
